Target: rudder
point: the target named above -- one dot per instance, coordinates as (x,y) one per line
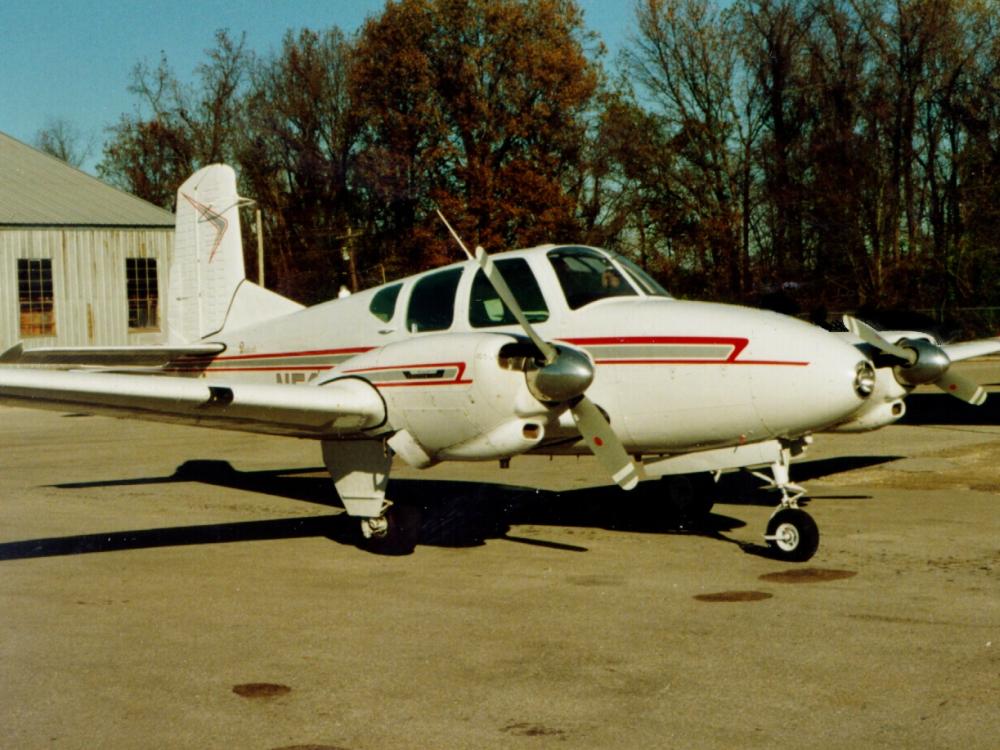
(207,265)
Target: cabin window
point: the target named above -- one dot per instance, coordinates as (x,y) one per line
(587,276)
(35,297)
(432,302)
(383,304)
(142,292)
(487,309)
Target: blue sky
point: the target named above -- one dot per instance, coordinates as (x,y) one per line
(72,59)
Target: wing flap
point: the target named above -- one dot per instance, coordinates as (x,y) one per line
(341,407)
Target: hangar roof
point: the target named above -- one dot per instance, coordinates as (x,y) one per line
(39,190)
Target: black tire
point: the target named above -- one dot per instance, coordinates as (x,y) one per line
(798,535)
(402,534)
(690,496)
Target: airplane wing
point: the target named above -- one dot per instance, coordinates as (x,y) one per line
(337,409)
(107,356)
(970,349)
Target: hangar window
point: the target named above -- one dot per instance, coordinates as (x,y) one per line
(34,293)
(432,302)
(143,298)
(487,309)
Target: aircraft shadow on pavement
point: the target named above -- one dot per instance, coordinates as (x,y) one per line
(942,409)
(453,513)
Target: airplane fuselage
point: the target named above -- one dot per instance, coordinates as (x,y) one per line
(672,375)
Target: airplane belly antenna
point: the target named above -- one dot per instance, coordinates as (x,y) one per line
(563,378)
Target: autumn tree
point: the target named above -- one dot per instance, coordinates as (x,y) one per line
(686,70)
(296,160)
(178,128)
(477,107)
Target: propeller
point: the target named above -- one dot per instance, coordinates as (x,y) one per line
(563,377)
(922,361)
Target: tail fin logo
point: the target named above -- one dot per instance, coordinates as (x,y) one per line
(216,220)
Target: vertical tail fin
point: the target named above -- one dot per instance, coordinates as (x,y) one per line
(207,264)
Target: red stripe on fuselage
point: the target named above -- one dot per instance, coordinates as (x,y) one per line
(738,344)
(457,380)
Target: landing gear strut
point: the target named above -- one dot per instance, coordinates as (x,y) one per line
(792,533)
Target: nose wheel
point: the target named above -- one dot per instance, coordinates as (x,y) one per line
(792,535)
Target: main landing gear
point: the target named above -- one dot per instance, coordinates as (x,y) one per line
(792,533)
(395,532)
(360,472)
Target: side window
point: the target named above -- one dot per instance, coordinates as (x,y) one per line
(35,297)
(383,304)
(432,302)
(487,309)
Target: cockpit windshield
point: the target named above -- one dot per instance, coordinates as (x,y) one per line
(642,279)
(587,276)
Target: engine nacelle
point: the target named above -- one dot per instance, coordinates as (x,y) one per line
(450,397)
(884,406)
(873,416)
(509,439)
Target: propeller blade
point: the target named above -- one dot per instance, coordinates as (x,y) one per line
(604,444)
(503,291)
(961,387)
(496,279)
(454,234)
(869,335)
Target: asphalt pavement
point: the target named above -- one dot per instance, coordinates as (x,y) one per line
(173,587)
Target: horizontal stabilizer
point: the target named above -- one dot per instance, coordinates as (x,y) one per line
(343,407)
(106,356)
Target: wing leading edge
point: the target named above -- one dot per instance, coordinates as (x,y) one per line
(340,408)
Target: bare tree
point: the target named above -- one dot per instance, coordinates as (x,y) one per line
(64,140)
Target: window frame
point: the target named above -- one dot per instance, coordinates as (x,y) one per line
(142,299)
(577,296)
(36,297)
(446,277)
(533,316)
(392,290)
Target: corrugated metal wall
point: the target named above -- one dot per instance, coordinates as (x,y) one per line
(88,276)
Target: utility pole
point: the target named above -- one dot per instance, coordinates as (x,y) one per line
(260,250)
(348,255)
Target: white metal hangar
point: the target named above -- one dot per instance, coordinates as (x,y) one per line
(81,263)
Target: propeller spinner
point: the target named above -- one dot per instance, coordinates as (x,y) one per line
(563,378)
(920,361)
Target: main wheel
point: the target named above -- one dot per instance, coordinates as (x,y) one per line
(690,496)
(396,532)
(792,535)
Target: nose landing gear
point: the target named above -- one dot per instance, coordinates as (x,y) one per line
(791,533)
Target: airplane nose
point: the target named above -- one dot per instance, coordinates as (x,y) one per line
(815,379)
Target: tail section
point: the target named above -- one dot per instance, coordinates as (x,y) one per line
(208,287)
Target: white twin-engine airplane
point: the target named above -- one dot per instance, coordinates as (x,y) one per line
(557,349)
